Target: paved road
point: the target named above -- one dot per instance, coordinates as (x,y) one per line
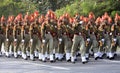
(12,65)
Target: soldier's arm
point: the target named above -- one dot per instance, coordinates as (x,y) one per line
(14,30)
(59,32)
(39,32)
(22,32)
(6,32)
(43,31)
(30,31)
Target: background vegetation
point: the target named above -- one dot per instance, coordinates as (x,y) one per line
(83,7)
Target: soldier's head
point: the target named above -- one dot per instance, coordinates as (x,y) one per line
(41,19)
(98,21)
(65,20)
(85,19)
(47,19)
(117,20)
(91,17)
(3,20)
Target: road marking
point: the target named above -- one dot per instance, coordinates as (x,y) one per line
(43,65)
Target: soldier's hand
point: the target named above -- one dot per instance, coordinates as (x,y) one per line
(101,43)
(43,41)
(60,39)
(7,39)
(15,40)
(111,33)
(23,41)
(102,40)
(114,41)
(31,40)
(88,39)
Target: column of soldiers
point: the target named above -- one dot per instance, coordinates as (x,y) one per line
(49,38)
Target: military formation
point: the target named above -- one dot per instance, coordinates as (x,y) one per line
(49,38)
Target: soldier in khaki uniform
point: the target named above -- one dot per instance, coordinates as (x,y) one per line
(34,33)
(2,33)
(91,39)
(107,37)
(18,36)
(9,38)
(64,36)
(115,29)
(25,40)
(25,37)
(60,44)
(104,40)
(54,34)
(47,34)
(40,21)
(78,41)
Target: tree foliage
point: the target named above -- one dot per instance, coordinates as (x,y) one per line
(83,7)
(13,7)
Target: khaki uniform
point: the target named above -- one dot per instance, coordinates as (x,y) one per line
(48,32)
(101,40)
(92,40)
(9,40)
(35,41)
(60,43)
(2,37)
(114,41)
(78,41)
(88,41)
(118,35)
(17,40)
(25,41)
(65,41)
(107,43)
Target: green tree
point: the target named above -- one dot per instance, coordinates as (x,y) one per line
(83,7)
(13,7)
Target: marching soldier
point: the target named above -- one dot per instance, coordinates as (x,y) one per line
(9,38)
(34,32)
(18,36)
(40,21)
(34,36)
(54,34)
(65,41)
(47,33)
(104,43)
(25,37)
(78,41)
(2,33)
(107,37)
(101,39)
(93,35)
(91,38)
(117,23)
(114,37)
(87,43)
(59,55)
